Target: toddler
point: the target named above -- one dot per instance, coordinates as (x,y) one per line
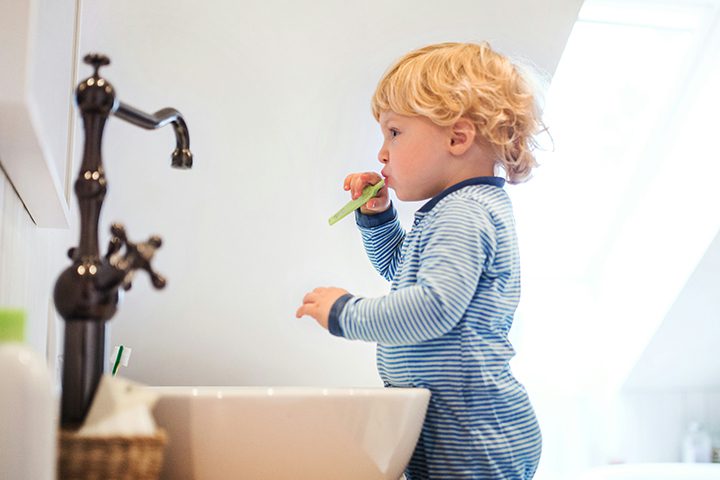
(451,115)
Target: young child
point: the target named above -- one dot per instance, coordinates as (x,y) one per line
(450,114)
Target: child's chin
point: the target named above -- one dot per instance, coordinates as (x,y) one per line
(399,194)
(403,196)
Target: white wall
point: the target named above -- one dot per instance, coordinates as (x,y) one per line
(30,260)
(276,97)
(653,423)
(37,62)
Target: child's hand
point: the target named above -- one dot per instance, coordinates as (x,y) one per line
(318,303)
(355,182)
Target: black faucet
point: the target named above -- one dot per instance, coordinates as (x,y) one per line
(86,293)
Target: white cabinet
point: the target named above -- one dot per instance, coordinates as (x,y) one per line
(37,65)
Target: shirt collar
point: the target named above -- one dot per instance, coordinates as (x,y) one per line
(494,181)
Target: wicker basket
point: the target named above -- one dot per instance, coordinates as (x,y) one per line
(110,458)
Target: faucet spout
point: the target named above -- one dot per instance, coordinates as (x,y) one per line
(182,156)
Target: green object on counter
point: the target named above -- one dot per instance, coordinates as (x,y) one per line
(368,192)
(12,325)
(116,364)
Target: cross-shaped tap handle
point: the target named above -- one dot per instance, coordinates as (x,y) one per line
(137,256)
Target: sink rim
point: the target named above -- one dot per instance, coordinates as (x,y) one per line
(286,391)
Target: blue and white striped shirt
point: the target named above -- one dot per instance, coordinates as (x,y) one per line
(444,325)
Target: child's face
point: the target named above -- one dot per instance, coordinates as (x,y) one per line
(415,154)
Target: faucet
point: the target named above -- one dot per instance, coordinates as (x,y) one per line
(86,293)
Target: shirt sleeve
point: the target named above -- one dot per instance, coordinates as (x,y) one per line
(457,243)
(382,237)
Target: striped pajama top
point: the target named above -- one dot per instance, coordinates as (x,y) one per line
(455,286)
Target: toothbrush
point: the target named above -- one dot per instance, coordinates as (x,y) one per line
(368,192)
(122,357)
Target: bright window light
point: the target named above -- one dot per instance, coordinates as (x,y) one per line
(606,234)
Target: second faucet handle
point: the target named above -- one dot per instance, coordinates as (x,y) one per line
(137,256)
(97,60)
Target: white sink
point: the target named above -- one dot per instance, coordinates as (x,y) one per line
(263,433)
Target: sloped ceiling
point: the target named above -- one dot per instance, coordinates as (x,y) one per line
(685,351)
(621,211)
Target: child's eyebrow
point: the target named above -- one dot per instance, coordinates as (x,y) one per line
(388,119)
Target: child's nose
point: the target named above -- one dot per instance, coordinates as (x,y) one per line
(382,156)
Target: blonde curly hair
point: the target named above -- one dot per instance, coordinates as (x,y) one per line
(449,81)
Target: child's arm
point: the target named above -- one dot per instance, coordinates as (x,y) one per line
(380,229)
(382,238)
(450,267)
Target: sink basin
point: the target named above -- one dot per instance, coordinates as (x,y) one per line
(293,433)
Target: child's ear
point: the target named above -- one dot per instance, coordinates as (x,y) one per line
(462,136)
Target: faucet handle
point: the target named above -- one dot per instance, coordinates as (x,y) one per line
(146,251)
(97,60)
(137,256)
(116,242)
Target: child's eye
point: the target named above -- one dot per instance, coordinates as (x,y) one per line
(394,132)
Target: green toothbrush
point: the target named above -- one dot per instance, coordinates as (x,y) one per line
(368,192)
(121,356)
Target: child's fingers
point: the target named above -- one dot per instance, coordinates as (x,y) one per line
(307,302)
(371,178)
(303,310)
(362,180)
(357,187)
(351,183)
(310,303)
(306,309)
(310,297)
(378,203)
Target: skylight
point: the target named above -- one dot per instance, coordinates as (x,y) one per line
(616,219)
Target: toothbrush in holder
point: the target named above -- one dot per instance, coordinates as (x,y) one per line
(121,356)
